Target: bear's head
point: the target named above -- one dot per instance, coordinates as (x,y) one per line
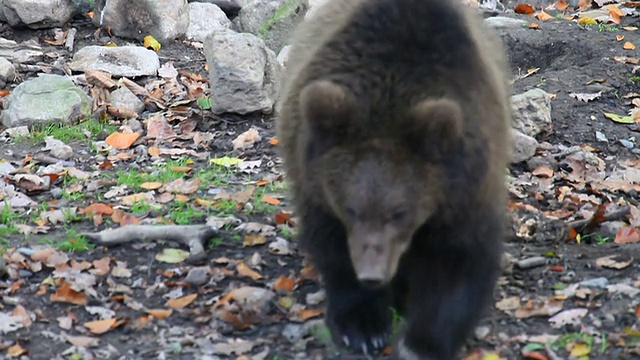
(380,172)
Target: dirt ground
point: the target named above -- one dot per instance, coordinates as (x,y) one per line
(580,59)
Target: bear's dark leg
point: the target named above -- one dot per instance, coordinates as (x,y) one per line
(358,317)
(452,273)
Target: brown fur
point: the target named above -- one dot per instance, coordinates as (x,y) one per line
(393,127)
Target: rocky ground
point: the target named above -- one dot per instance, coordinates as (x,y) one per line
(571,282)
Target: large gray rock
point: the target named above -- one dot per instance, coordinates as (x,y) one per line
(243,73)
(37,14)
(206,19)
(45,99)
(271,20)
(118,61)
(166,20)
(230,7)
(532,112)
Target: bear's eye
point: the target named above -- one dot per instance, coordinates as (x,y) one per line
(397,216)
(351,212)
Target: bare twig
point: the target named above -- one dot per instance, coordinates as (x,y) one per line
(578,225)
(192,236)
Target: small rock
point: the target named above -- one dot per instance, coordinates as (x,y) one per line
(502,22)
(283,55)
(626,143)
(206,19)
(123,97)
(523,147)
(198,276)
(7,71)
(545,161)
(610,228)
(601,137)
(128,61)
(481,332)
(532,112)
(57,148)
(568,277)
(531,262)
(599,283)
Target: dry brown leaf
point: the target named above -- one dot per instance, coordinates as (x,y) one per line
(284,284)
(270,200)
(627,235)
(628,45)
(619,37)
(561,5)
(543,172)
(65,293)
(305,314)
(101,326)
(154,150)
(525,9)
(253,240)
(121,141)
(97,208)
(153,185)
(159,313)
(17,351)
(244,270)
(543,16)
(182,302)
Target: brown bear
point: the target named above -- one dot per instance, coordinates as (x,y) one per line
(394,131)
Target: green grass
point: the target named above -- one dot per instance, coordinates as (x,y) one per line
(83,131)
(281,12)
(73,242)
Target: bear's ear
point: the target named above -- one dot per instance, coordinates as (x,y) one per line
(438,124)
(326,106)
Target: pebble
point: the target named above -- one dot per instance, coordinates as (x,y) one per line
(482,332)
(600,282)
(197,276)
(626,143)
(531,262)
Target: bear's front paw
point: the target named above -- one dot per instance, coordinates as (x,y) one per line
(359,319)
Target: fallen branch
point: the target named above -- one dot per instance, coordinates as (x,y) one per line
(192,236)
(616,214)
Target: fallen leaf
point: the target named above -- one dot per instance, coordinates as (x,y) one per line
(182,302)
(65,293)
(525,9)
(628,45)
(620,119)
(627,235)
(561,5)
(159,313)
(611,262)
(543,16)
(568,317)
(580,350)
(244,270)
(284,284)
(121,141)
(586,97)
(101,326)
(151,42)
(172,256)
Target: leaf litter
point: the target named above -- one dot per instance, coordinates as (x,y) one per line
(256,278)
